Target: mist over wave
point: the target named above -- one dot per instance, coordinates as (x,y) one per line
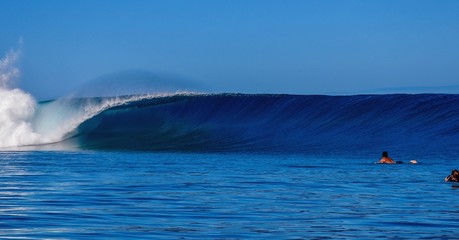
(24,122)
(136,82)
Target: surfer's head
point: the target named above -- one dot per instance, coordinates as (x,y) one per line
(385,154)
(455,173)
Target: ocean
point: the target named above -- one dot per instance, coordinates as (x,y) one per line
(230,166)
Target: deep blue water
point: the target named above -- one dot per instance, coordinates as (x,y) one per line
(311,124)
(147,195)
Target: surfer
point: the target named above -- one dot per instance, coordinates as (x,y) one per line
(385,158)
(454,177)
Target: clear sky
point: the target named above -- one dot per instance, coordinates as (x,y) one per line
(298,47)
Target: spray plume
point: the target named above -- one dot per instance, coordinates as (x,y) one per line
(16,106)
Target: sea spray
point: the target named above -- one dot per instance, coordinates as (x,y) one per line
(16,107)
(8,69)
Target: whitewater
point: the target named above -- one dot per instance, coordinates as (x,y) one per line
(16,107)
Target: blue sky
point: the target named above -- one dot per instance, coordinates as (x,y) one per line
(297,47)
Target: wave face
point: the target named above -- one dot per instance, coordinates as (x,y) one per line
(272,123)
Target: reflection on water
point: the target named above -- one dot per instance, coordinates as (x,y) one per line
(68,195)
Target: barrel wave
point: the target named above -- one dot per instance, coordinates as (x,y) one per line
(418,124)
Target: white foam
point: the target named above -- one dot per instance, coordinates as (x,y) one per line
(16,111)
(16,107)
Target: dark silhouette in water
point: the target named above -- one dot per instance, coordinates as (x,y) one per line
(454,177)
(386,159)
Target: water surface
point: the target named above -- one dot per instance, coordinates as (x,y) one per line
(99,195)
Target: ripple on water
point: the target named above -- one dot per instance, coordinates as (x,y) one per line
(59,195)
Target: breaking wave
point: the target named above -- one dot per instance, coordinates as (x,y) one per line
(262,123)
